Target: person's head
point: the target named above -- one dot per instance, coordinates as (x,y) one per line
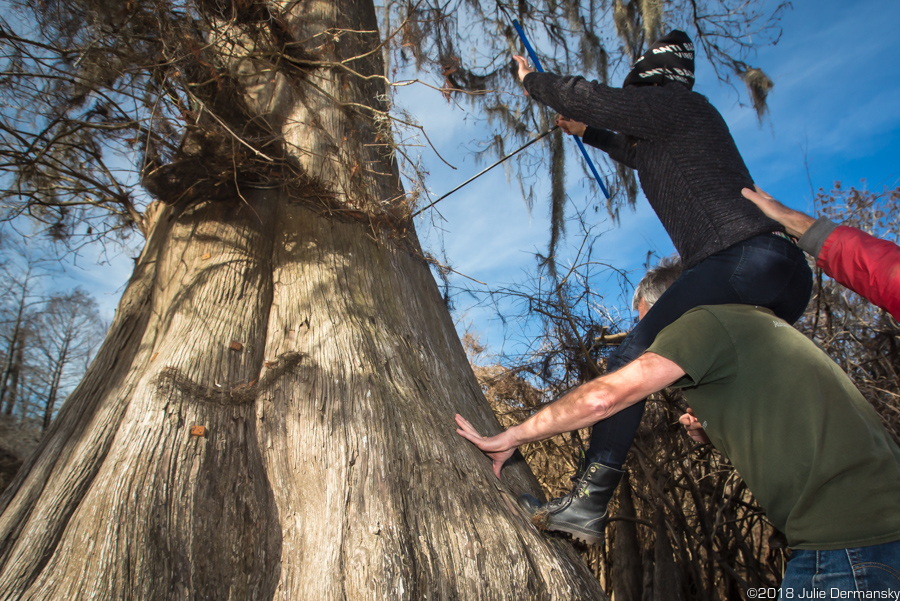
(670,59)
(654,283)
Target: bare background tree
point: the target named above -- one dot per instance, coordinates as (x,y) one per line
(268,415)
(67,332)
(48,341)
(21,283)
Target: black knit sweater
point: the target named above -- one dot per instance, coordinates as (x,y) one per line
(689,166)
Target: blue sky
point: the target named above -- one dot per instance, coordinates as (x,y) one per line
(834,110)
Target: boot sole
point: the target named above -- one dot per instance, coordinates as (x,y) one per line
(585,537)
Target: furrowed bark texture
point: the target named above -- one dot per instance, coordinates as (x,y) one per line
(319,356)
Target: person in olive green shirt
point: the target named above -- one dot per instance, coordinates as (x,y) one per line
(811,449)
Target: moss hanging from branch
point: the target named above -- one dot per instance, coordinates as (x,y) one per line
(557,197)
(758,86)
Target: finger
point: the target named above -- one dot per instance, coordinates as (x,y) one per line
(762,192)
(498,465)
(467,430)
(758,196)
(470,434)
(464,424)
(467,436)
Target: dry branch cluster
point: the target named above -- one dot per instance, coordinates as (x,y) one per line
(112,105)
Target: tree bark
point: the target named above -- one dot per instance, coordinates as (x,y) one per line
(627,570)
(331,468)
(318,354)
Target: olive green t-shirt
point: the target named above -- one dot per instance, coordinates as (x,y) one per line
(812,450)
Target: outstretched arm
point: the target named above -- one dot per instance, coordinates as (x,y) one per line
(867,265)
(580,407)
(795,222)
(598,105)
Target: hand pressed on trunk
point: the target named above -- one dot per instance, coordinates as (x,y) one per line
(499,448)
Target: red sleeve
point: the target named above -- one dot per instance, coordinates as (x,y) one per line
(867,265)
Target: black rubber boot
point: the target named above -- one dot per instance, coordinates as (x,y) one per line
(532,504)
(581,513)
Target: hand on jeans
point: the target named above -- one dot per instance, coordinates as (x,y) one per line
(795,222)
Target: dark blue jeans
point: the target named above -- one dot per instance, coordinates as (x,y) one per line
(827,574)
(766,270)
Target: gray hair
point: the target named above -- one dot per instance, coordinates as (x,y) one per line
(656,281)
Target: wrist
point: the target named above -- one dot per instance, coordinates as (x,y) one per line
(813,238)
(798,223)
(512,437)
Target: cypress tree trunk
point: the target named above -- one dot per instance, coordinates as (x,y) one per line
(310,341)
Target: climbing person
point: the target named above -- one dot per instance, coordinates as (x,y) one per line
(863,263)
(811,449)
(692,174)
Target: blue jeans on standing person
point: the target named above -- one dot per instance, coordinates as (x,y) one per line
(767,270)
(827,574)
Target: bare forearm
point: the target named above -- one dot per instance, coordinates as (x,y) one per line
(794,222)
(599,399)
(580,407)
